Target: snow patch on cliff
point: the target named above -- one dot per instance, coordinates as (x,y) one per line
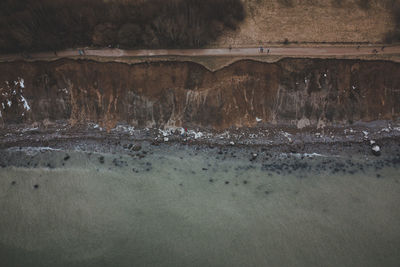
(26,105)
(21,82)
(304,122)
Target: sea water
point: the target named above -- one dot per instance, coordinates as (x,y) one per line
(188,207)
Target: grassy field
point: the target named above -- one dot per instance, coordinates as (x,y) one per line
(311,21)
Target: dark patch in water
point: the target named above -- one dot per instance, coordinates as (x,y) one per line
(119,163)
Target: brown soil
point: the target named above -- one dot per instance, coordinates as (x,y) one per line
(293,91)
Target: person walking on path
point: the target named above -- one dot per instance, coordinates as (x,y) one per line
(81,52)
(261,49)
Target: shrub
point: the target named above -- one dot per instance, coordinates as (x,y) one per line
(286,3)
(337,3)
(129,35)
(364,4)
(105,34)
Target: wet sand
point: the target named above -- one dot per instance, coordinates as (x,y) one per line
(176,205)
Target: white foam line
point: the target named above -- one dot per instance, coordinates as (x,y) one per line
(309,155)
(33,150)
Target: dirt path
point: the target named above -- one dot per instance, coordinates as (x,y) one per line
(276,51)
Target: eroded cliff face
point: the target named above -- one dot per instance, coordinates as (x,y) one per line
(299,92)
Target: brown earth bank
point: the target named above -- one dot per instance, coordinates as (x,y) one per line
(296,92)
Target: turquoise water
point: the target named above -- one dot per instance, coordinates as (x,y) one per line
(171,207)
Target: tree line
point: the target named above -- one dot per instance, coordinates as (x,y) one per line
(27,25)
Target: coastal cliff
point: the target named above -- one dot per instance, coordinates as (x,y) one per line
(300,92)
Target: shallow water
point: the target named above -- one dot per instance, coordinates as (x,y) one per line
(185,207)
